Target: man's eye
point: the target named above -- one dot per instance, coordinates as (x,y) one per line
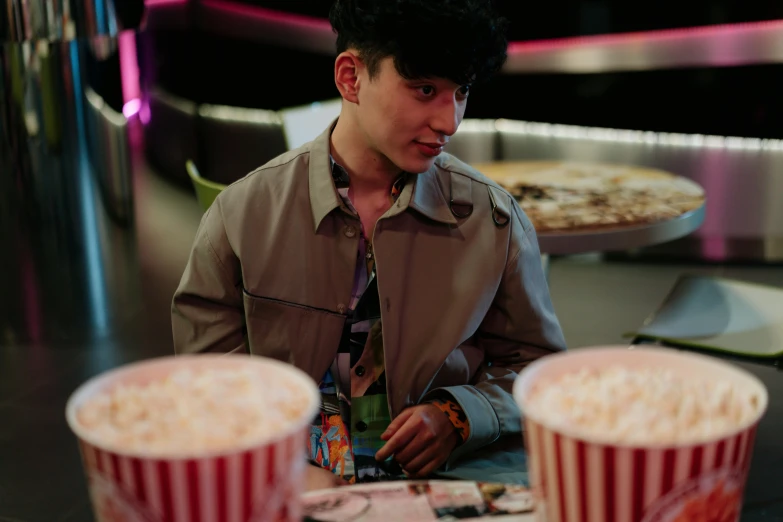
(464,91)
(427,90)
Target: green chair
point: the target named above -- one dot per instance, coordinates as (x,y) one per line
(206,191)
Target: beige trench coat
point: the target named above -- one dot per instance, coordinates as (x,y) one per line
(464,300)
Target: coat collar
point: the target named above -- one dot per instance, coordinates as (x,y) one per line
(422,192)
(323,194)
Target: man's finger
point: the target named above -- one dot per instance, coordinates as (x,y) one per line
(397,423)
(414,448)
(430,460)
(399,440)
(418,462)
(433,466)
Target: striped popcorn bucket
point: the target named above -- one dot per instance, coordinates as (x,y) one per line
(581,480)
(260,482)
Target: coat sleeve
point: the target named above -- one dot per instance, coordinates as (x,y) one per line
(519,327)
(207,312)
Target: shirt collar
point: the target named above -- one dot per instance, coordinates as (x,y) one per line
(421,192)
(339,175)
(342,180)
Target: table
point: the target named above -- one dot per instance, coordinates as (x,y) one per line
(420,501)
(604,239)
(410,501)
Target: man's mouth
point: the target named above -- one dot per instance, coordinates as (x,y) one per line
(431,149)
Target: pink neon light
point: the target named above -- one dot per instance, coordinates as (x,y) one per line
(269,15)
(714,248)
(131,108)
(724,30)
(129,66)
(150,3)
(716,166)
(144,112)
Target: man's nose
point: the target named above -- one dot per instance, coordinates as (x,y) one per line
(447,117)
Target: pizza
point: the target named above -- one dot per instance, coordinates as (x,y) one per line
(567,196)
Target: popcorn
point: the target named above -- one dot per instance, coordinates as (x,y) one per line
(194,411)
(647,406)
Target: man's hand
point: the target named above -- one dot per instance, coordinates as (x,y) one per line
(421,439)
(320,478)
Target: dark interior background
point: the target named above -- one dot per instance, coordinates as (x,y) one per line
(562,18)
(209,67)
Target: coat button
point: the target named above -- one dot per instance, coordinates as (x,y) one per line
(349,231)
(361,426)
(359,371)
(340,308)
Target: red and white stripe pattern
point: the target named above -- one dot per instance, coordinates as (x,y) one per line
(577,481)
(259,485)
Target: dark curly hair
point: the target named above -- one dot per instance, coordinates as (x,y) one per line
(461,40)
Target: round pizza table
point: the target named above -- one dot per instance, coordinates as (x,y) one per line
(604,239)
(620,238)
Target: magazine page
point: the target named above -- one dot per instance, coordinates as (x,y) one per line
(419,501)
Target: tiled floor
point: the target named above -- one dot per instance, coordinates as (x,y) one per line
(81,297)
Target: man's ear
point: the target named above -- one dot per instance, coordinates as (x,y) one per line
(346,75)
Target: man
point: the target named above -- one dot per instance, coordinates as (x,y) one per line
(405,283)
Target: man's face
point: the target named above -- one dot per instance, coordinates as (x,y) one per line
(408,121)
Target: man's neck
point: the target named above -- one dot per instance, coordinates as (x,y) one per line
(369,171)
